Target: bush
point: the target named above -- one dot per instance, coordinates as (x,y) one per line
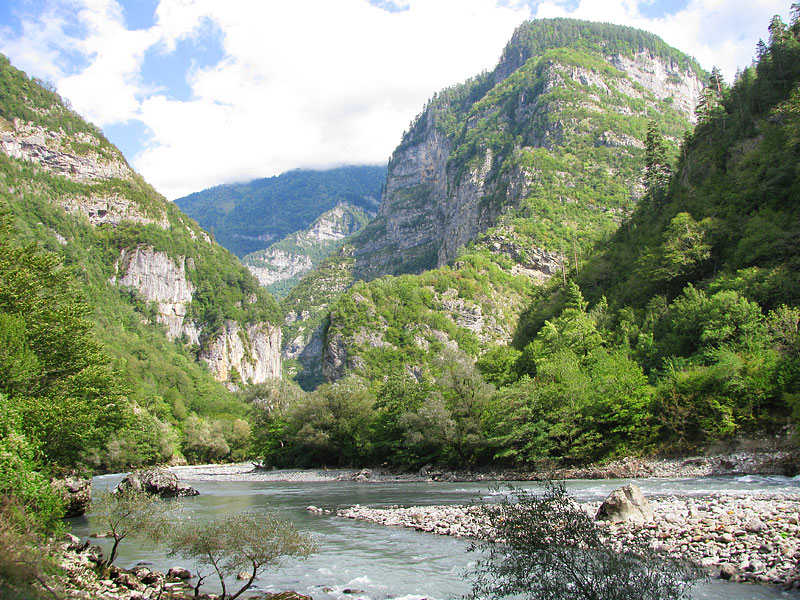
(551,549)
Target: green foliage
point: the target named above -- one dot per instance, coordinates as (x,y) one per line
(246,542)
(52,369)
(130,513)
(333,425)
(248,217)
(549,548)
(33,100)
(92,372)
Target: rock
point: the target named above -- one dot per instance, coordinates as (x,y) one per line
(179,573)
(727,571)
(625,504)
(243,576)
(140,571)
(129,581)
(156,481)
(94,553)
(73,542)
(152,577)
(754,526)
(76,491)
(363,475)
(288,596)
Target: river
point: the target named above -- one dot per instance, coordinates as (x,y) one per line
(382,563)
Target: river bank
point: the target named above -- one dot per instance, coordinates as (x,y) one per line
(83,578)
(741,538)
(777,462)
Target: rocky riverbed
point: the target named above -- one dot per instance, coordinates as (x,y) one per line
(741,538)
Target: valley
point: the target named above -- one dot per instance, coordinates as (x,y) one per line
(582,258)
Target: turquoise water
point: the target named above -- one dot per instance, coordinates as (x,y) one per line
(385,563)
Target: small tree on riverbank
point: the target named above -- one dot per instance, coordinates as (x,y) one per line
(246,542)
(549,548)
(130,512)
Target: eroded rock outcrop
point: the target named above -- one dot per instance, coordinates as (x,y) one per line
(77,156)
(626,504)
(253,352)
(159,278)
(156,481)
(77,493)
(298,253)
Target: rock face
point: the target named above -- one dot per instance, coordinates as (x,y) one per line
(276,265)
(111,209)
(625,504)
(254,352)
(156,481)
(77,492)
(158,278)
(78,156)
(449,183)
(296,254)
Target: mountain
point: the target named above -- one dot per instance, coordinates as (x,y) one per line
(549,144)
(249,217)
(499,184)
(280,267)
(567,332)
(177,314)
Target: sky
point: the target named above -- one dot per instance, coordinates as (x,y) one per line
(202,92)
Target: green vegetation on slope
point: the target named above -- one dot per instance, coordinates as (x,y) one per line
(688,333)
(161,379)
(308,245)
(556,143)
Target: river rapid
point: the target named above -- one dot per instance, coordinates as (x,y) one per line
(363,560)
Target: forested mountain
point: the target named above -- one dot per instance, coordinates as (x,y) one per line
(668,324)
(165,315)
(248,217)
(527,167)
(548,145)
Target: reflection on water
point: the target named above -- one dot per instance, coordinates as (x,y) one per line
(394,563)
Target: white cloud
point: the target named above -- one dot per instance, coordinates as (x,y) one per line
(312,83)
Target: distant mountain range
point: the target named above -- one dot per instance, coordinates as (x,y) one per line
(248,217)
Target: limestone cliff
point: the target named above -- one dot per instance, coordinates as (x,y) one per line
(245,354)
(83,158)
(287,260)
(162,280)
(238,354)
(478,150)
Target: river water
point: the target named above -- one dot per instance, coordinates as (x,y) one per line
(381,563)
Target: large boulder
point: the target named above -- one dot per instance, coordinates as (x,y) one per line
(625,504)
(77,494)
(156,481)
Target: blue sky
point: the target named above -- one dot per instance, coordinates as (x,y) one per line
(202,92)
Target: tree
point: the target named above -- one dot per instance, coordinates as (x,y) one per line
(657,170)
(549,548)
(52,370)
(130,512)
(241,542)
